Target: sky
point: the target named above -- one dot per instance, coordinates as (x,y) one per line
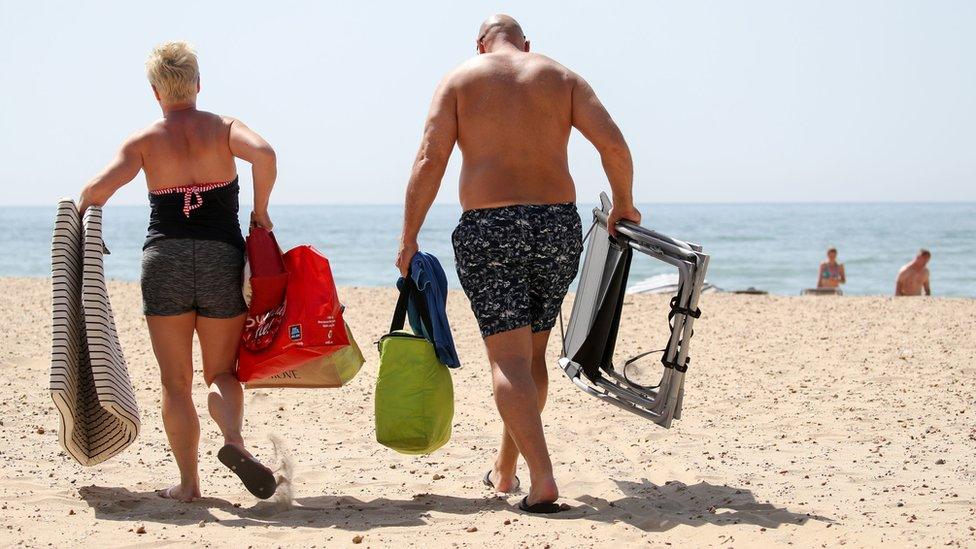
(724,101)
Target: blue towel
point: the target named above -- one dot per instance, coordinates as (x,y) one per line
(430,279)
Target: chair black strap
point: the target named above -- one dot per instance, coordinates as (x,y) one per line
(634,359)
(674,364)
(676,310)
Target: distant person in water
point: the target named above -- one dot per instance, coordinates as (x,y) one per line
(831,273)
(913,278)
(193,257)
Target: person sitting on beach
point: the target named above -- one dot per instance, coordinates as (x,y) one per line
(913,278)
(518,243)
(193,257)
(831,273)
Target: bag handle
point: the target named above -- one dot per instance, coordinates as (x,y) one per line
(400,313)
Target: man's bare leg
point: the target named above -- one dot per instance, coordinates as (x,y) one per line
(219,341)
(506,462)
(172,342)
(517,399)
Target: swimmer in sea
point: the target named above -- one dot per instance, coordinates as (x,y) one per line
(831,273)
(913,278)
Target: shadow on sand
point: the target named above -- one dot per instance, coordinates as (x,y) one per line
(344,512)
(645,505)
(657,508)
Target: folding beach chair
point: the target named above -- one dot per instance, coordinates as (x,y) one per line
(590,337)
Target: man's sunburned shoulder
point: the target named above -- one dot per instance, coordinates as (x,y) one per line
(487,64)
(469,68)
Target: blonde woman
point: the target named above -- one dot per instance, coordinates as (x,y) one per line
(193,257)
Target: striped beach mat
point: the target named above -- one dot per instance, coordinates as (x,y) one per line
(89,381)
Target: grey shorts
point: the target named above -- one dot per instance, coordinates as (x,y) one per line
(516,263)
(180,275)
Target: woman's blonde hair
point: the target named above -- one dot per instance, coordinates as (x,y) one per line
(172,69)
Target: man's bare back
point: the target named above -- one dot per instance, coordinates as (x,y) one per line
(511,113)
(514,112)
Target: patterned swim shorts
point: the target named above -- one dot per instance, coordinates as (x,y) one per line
(515,263)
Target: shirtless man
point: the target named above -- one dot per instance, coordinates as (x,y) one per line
(914,277)
(831,273)
(518,243)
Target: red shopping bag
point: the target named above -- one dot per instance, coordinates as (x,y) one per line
(268,275)
(260,330)
(311,324)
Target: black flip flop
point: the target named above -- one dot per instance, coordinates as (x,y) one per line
(258,479)
(487,482)
(542,507)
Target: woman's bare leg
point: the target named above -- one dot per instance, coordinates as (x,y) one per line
(172,342)
(219,341)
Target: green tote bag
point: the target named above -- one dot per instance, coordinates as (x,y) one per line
(414,404)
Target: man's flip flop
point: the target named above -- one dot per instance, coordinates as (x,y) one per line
(487,482)
(258,479)
(542,507)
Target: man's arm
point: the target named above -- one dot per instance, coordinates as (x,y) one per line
(928,290)
(898,281)
(124,168)
(596,125)
(440,135)
(247,145)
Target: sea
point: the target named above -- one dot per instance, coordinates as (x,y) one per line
(775,247)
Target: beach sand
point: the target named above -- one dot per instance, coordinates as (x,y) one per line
(807,421)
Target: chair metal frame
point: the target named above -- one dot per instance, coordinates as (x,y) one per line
(590,337)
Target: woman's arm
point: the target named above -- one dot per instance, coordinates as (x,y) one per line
(124,168)
(247,145)
(843,276)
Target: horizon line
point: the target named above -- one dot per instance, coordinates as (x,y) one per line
(639,202)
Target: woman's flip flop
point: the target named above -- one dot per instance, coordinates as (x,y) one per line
(258,479)
(542,507)
(487,482)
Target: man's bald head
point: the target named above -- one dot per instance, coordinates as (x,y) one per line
(501,28)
